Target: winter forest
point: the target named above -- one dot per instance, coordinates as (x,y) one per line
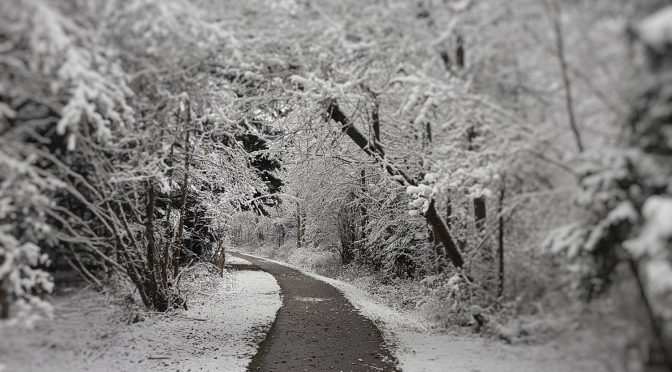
(315,185)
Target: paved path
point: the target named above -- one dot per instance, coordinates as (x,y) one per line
(317,329)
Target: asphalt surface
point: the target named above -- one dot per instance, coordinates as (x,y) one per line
(317,329)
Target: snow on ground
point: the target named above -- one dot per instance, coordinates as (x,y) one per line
(419,348)
(227,319)
(232,260)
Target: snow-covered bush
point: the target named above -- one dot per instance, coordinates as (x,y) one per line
(653,248)
(59,86)
(628,193)
(447,300)
(22,281)
(325,262)
(24,207)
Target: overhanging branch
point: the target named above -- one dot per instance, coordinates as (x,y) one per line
(375,150)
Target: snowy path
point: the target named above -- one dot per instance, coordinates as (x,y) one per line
(317,329)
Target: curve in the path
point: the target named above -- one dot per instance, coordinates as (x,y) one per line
(317,329)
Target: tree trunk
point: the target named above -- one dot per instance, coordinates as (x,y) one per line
(480,213)
(183,199)
(303,227)
(221,257)
(427,136)
(4,299)
(376,151)
(362,208)
(564,70)
(460,53)
(280,228)
(500,243)
(299,238)
(449,211)
(376,121)
(480,217)
(443,234)
(165,260)
(158,298)
(440,257)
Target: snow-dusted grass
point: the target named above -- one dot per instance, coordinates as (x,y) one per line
(227,319)
(418,347)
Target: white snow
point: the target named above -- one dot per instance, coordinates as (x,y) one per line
(657,230)
(227,319)
(420,349)
(232,260)
(651,248)
(656,29)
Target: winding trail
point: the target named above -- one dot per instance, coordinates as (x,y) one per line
(317,329)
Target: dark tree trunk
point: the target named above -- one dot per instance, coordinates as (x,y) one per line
(299,228)
(183,199)
(460,54)
(362,208)
(445,57)
(159,300)
(440,257)
(220,257)
(303,228)
(281,234)
(480,216)
(165,259)
(500,243)
(443,234)
(375,117)
(449,211)
(480,213)
(4,299)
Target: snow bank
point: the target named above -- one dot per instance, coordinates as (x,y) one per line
(227,319)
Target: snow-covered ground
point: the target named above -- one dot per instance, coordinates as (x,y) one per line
(420,349)
(232,260)
(227,319)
